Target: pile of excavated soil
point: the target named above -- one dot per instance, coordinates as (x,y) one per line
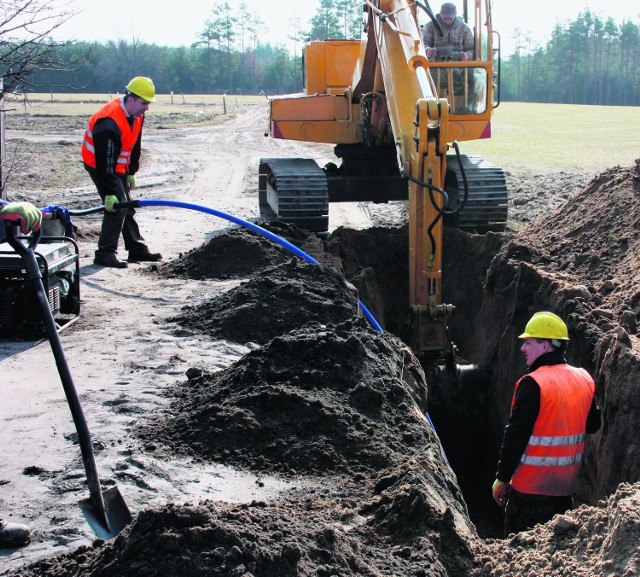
(333,399)
(239,252)
(274,302)
(318,400)
(401,530)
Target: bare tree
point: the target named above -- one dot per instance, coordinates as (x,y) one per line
(26,46)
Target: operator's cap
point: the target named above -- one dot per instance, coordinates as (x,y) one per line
(448,10)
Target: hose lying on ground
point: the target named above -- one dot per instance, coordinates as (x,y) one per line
(254,227)
(245,223)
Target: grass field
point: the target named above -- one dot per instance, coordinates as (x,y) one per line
(526,136)
(87,104)
(556,137)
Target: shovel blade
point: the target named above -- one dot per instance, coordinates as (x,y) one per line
(107,523)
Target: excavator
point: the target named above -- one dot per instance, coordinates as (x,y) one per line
(395,119)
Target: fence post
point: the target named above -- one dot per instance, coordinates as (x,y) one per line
(224,104)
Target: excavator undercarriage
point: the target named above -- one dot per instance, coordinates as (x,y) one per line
(298,191)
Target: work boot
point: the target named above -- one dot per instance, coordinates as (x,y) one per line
(144,255)
(109,260)
(13,535)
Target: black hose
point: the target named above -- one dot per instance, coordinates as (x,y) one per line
(431,15)
(464,179)
(442,210)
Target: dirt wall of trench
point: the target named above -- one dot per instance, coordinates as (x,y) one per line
(579,261)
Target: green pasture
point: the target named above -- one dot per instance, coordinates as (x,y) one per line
(560,137)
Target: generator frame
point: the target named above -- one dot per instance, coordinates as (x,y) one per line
(59,263)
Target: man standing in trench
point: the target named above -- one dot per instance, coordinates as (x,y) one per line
(111,154)
(553,408)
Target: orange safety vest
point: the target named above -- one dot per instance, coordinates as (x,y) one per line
(128,135)
(551,460)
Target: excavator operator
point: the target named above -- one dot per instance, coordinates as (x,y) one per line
(457,41)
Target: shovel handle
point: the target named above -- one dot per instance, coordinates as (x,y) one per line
(84,436)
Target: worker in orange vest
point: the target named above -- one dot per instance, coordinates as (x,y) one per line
(552,410)
(111,153)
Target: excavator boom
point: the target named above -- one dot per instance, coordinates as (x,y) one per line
(395,118)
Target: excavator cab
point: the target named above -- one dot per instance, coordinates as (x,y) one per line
(395,119)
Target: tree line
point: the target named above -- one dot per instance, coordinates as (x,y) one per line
(590,60)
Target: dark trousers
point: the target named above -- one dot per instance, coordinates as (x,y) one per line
(524,510)
(120,222)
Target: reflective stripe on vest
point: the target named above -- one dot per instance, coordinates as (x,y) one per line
(128,135)
(556,441)
(551,461)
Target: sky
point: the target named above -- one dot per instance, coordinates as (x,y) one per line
(178,22)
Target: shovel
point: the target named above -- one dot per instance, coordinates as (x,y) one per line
(105,511)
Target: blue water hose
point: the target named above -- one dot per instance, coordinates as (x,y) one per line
(254,227)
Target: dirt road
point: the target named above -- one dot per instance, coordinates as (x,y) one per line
(122,353)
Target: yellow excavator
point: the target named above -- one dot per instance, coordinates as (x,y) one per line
(396,119)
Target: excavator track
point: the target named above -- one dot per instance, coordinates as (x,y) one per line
(486,206)
(294,190)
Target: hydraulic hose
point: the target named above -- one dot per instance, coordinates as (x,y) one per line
(245,223)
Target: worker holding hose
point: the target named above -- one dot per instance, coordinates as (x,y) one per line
(29,218)
(552,410)
(111,153)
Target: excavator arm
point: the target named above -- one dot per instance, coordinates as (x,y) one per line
(419,125)
(378,99)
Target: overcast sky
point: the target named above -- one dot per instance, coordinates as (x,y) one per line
(177,23)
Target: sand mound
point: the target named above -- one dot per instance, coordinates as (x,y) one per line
(319,400)
(585,542)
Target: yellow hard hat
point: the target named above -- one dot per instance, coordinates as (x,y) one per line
(545,325)
(143,87)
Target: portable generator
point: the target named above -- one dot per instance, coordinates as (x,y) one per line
(58,259)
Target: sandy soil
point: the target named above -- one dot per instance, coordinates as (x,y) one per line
(122,352)
(206,394)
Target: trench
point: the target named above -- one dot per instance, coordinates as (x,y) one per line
(495,281)
(376,262)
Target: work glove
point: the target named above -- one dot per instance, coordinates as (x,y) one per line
(109,201)
(25,213)
(131,181)
(431,53)
(464,56)
(499,490)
